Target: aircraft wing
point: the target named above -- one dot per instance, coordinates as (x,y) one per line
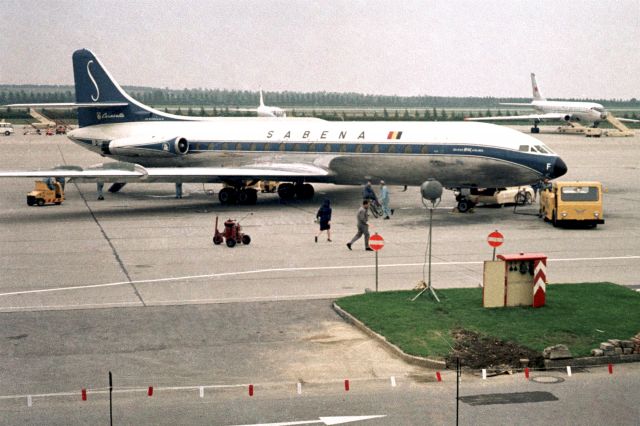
(67,105)
(551,116)
(129,172)
(628,120)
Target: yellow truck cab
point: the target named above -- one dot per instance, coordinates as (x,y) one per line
(44,194)
(572,203)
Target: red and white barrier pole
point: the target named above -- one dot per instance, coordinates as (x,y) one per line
(250,390)
(610,368)
(346,385)
(150,391)
(526,373)
(438,376)
(84,394)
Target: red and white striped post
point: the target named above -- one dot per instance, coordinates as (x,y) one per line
(539,282)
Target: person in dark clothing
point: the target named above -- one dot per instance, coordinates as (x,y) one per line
(368,193)
(324,218)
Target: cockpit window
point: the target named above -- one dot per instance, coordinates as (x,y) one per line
(524,148)
(548,150)
(541,149)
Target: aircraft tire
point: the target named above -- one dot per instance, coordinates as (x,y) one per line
(227,195)
(248,196)
(286,191)
(304,191)
(464,206)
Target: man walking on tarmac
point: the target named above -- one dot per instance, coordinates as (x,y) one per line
(363,226)
(384,199)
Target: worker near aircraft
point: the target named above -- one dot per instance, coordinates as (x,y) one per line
(363,226)
(384,200)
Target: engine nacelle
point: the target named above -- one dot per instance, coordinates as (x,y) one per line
(147,147)
(567,117)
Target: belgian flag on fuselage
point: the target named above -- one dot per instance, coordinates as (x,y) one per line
(394,135)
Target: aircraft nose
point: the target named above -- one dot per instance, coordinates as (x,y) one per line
(559,168)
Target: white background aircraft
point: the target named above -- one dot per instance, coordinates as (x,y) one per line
(264,110)
(584,112)
(153,146)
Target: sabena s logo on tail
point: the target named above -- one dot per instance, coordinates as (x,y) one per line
(94,83)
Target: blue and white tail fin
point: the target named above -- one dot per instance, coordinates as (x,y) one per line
(101,100)
(536,91)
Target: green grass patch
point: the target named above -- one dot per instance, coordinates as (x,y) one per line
(578,315)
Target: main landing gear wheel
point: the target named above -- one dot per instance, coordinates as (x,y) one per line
(535,128)
(227,195)
(301,191)
(286,191)
(304,191)
(248,196)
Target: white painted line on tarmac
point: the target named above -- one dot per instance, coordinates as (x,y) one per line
(294,269)
(181,302)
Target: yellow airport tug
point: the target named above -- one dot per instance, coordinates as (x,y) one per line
(578,203)
(48,191)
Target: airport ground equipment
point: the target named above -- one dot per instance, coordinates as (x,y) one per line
(571,127)
(512,195)
(6,128)
(573,202)
(232,234)
(619,130)
(515,280)
(268,186)
(44,194)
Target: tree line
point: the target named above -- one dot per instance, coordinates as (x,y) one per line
(244,98)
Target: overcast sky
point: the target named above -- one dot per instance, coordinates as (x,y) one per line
(578,49)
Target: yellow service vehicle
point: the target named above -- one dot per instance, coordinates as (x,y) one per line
(572,203)
(46,192)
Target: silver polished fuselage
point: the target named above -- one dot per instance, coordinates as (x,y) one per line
(401,153)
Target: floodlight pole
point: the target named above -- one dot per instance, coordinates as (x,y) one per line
(433,205)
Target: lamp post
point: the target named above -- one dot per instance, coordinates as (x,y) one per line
(431,191)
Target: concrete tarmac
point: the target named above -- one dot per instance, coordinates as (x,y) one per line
(147,259)
(143,247)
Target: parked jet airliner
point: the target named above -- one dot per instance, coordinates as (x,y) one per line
(264,110)
(153,146)
(586,112)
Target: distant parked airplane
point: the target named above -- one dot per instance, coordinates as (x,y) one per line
(585,112)
(263,110)
(153,146)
